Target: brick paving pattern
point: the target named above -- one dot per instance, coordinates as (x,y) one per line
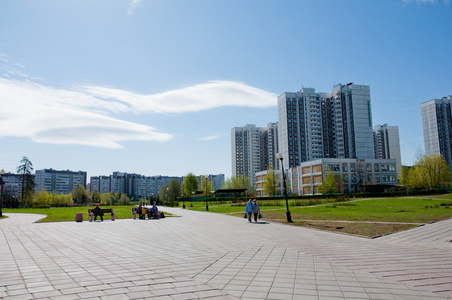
(210,256)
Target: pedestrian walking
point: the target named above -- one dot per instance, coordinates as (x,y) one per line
(249,209)
(256,210)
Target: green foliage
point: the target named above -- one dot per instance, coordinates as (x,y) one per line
(429,172)
(28,184)
(80,195)
(190,184)
(332,184)
(271,182)
(239,181)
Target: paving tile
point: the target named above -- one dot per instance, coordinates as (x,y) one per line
(184,255)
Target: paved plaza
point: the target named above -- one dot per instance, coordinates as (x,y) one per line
(200,255)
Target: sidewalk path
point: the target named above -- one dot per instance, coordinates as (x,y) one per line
(212,256)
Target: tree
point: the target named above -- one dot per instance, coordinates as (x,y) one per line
(95,197)
(80,195)
(206,185)
(174,189)
(239,181)
(333,183)
(271,181)
(190,184)
(124,200)
(28,183)
(429,172)
(404,178)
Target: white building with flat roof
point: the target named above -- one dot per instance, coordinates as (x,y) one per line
(437,127)
(387,144)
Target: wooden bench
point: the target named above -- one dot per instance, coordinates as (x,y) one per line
(104,211)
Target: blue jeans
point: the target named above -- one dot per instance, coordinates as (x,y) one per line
(249,216)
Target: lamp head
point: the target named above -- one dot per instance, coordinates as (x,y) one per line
(279,156)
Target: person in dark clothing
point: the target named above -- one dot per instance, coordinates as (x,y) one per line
(140,211)
(98,212)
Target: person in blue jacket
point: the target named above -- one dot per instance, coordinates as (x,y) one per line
(249,209)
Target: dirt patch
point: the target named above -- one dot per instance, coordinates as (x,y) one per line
(356,228)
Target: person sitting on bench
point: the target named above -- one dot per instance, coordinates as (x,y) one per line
(98,212)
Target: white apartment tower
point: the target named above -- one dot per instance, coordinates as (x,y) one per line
(325,125)
(387,144)
(253,149)
(437,127)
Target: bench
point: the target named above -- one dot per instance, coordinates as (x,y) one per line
(104,211)
(144,214)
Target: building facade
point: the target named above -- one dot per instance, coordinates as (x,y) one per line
(253,149)
(356,175)
(139,186)
(13,184)
(387,144)
(315,125)
(437,127)
(62,182)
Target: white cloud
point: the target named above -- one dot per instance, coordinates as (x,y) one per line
(88,115)
(209,138)
(132,6)
(195,98)
(58,116)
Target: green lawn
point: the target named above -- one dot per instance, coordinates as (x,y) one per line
(368,217)
(68,213)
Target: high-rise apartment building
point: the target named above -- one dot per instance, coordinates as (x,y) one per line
(437,127)
(315,125)
(253,149)
(62,182)
(387,144)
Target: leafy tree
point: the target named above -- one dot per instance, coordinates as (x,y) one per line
(124,200)
(271,181)
(206,185)
(429,172)
(80,195)
(170,191)
(190,184)
(237,182)
(28,183)
(43,198)
(404,178)
(333,183)
(95,196)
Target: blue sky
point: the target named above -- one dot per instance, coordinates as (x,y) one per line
(155,86)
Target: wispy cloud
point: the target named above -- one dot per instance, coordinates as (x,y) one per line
(194,98)
(89,115)
(426,1)
(132,6)
(209,138)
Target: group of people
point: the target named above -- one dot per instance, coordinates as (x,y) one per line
(252,208)
(151,212)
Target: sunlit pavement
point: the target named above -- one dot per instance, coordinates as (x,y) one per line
(202,255)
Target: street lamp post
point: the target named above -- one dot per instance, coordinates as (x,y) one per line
(289,217)
(183,195)
(2,184)
(207,206)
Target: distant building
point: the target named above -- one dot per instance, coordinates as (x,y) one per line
(315,125)
(387,144)
(139,186)
(62,182)
(356,174)
(217,180)
(253,149)
(437,127)
(13,184)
